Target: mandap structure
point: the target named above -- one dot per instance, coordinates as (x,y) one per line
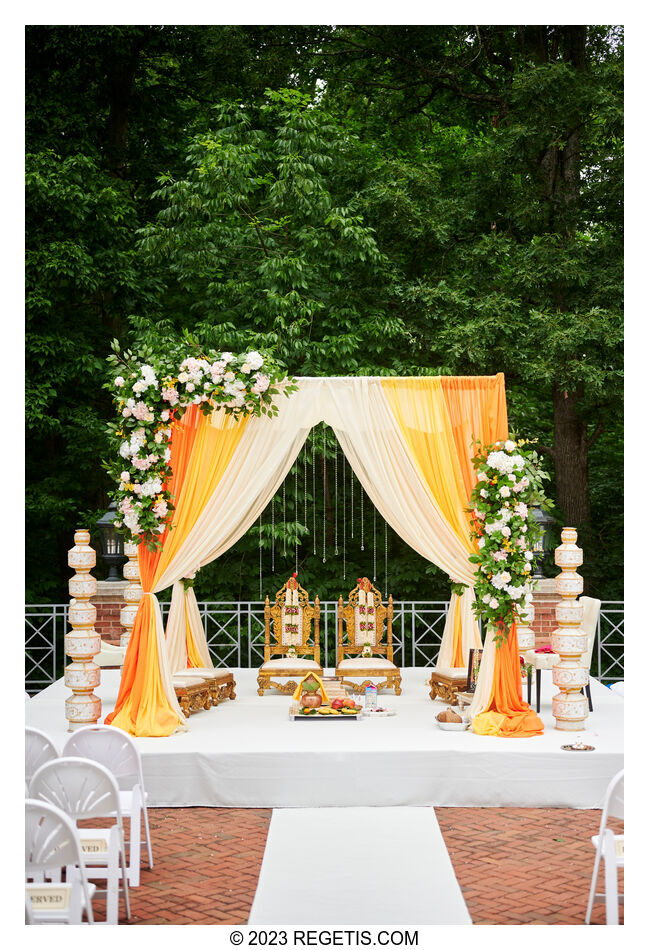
(204,450)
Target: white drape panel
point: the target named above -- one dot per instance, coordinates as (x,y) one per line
(485,675)
(360,415)
(165,671)
(184,611)
(470,630)
(358,411)
(259,464)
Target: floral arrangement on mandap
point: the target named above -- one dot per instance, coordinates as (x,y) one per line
(151,392)
(508,487)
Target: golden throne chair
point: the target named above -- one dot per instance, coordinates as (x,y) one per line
(361,649)
(290,651)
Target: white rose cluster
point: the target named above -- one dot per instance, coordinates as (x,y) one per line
(149,400)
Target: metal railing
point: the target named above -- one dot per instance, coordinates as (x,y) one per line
(235,636)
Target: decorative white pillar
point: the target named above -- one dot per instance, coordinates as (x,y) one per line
(526,636)
(132,594)
(569,706)
(83,642)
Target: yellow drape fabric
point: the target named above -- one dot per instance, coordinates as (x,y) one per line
(201,448)
(439,418)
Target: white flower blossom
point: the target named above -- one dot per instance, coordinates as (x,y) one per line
(529,555)
(509,445)
(501,579)
(504,492)
(119,380)
(227,357)
(506,531)
(493,603)
(255,360)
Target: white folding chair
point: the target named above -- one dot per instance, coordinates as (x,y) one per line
(39,749)
(51,843)
(117,751)
(85,789)
(611,847)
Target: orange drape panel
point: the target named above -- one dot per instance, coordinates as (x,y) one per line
(201,448)
(477,408)
(142,707)
(507,714)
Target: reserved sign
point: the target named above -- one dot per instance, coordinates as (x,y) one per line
(94,845)
(49,898)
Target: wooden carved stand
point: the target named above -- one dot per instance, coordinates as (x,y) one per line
(205,692)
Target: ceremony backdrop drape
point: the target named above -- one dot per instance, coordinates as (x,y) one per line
(401,438)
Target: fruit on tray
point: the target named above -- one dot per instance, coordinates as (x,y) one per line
(351,710)
(337,703)
(308,711)
(448,716)
(325,710)
(349,702)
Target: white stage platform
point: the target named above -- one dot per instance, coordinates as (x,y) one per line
(247,753)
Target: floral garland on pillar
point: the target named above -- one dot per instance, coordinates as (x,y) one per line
(151,392)
(509,485)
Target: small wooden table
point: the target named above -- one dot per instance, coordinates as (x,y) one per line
(446,688)
(208,689)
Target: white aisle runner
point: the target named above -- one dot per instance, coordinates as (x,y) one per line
(357,866)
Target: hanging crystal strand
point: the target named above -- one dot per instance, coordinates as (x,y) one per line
(336,502)
(351,472)
(306,452)
(385,536)
(296,468)
(362,520)
(344,517)
(313,486)
(324,498)
(374,575)
(272,543)
(284,515)
(261,589)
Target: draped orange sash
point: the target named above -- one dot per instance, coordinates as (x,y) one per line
(507,714)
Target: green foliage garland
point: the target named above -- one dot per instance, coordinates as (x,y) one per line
(509,485)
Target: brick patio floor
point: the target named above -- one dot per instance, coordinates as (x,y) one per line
(514,865)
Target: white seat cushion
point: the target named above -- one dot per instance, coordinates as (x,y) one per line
(202,671)
(181,679)
(541,661)
(453,673)
(289,663)
(363,663)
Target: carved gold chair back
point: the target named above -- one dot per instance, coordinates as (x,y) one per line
(365,623)
(292,617)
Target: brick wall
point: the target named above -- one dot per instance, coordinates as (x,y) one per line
(545,621)
(109,600)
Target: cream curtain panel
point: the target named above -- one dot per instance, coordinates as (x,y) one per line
(359,413)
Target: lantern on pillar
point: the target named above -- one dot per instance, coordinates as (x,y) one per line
(112,546)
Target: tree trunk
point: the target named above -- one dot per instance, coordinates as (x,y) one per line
(120,80)
(570,453)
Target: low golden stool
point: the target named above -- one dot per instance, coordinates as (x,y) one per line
(446,684)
